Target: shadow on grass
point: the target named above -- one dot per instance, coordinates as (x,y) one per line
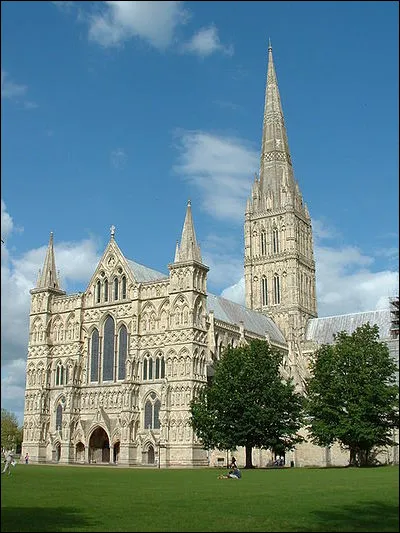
(366,516)
(46,519)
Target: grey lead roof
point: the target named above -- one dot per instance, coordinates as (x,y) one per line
(144,273)
(321,330)
(233,313)
(224,309)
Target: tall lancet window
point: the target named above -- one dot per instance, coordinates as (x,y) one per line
(122,349)
(152,412)
(108,351)
(59,417)
(123,287)
(277,290)
(264,291)
(94,357)
(98,289)
(116,289)
(275,240)
(106,290)
(60,374)
(263,238)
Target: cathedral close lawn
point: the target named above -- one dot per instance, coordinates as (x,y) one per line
(103,498)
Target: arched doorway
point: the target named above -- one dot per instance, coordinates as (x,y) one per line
(116,451)
(58,452)
(150,455)
(99,447)
(80,453)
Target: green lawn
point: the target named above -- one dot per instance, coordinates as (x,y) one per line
(79,498)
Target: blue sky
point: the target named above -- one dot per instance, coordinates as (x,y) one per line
(119,112)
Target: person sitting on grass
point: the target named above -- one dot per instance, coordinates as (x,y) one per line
(232,474)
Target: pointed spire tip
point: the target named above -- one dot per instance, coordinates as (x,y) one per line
(269,44)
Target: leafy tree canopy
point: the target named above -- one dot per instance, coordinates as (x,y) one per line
(352,395)
(11,433)
(248,403)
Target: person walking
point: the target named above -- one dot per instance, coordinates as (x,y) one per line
(233,462)
(8,461)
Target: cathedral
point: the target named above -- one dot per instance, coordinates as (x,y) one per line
(111,371)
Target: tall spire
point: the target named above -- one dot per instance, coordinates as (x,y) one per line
(48,278)
(275,154)
(189,249)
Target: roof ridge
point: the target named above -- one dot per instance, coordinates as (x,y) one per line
(349,314)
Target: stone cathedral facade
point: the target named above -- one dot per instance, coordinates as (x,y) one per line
(111,371)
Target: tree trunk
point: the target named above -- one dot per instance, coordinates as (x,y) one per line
(249,461)
(353,457)
(364,457)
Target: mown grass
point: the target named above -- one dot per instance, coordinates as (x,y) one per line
(79,498)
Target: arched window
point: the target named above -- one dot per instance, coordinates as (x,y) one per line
(98,288)
(145,368)
(106,290)
(150,368)
(116,289)
(60,374)
(94,357)
(156,418)
(264,291)
(123,287)
(160,367)
(275,240)
(122,350)
(59,417)
(108,351)
(277,290)
(152,412)
(263,238)
(148,415)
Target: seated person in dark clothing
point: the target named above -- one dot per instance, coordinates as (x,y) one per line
(233,474)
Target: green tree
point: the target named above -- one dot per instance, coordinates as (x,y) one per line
(248,403)
(352,396)
(11,433)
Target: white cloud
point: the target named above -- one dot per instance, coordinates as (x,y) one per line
(13,91)
(346,282)
(65,6)
(118,158)
(323,230)
(10,89)
(76,262)
(206,42)
(119,21)
(30,105)
(221,167)
(235,292)
(113,23)
(226,104)
(6,222)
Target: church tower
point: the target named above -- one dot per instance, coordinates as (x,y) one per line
(188,310)
(37,395)
(279,258)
